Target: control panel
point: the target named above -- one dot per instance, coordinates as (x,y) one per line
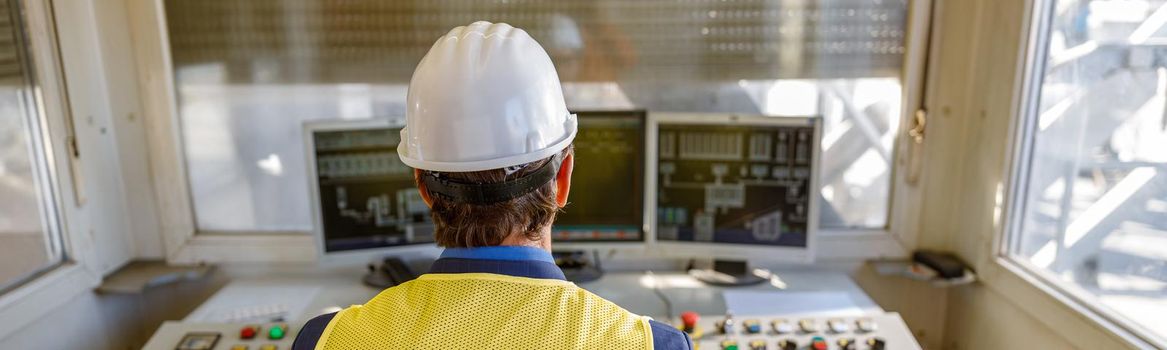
(885,331)
(174,335)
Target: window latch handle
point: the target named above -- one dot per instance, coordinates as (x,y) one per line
(918,123)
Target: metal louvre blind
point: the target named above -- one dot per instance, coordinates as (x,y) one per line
(11,65)
(604,40)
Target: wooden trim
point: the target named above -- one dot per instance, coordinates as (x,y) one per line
(1063,315)
(156,78)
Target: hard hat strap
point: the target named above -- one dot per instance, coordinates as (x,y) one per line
(479,193)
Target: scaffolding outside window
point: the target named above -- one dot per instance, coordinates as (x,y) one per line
(1091,199)
(249,73)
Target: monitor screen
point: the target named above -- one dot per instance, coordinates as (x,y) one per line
(738,184)
(606,203)
(367,196)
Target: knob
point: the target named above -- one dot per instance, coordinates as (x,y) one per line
(876,344)
(752,326)
(866,325)
(808,326)
(758,344)
(728,345)
(787,344)
(838,326)
(689,321)
(781,326)
(818,343)
(726,326)
(847,344)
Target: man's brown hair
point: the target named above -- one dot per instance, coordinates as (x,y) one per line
(464,225)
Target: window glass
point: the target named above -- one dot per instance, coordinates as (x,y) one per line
(28,243)
(249,73)
(1094,206)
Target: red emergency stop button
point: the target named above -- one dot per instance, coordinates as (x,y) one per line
(689,321)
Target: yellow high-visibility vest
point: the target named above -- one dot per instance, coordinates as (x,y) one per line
(486,311)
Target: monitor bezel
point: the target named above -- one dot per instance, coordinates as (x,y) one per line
(310,128)
(731,250)
(648,207)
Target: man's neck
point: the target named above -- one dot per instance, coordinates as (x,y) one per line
(520,239)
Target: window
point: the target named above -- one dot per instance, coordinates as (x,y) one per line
(1092,195)
(249,73)
(29,240)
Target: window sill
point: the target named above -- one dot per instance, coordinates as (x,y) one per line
(28,303)
(832,245)
(248,248)
(1057,310)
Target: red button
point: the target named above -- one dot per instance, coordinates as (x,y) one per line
(248,332)
(689,320)
(818,343)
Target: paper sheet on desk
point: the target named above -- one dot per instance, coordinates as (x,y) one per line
(752,302)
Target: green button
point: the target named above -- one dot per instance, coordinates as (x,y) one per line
(276,332)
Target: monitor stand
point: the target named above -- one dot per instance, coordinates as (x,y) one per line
(577,267)
(731,273)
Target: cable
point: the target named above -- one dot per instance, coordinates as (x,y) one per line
(596,257)
(656,290)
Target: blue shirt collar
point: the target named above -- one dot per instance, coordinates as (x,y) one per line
(512,253)
(504,260)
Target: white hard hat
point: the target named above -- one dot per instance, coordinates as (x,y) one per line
(486,96)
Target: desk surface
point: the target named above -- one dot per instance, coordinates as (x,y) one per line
(303,297)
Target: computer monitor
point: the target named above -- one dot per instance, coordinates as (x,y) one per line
(365,201)
(736,187)
(606,207)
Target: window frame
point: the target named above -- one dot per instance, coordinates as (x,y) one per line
(1069,312)
(42,167)
(74,274)
(185,243)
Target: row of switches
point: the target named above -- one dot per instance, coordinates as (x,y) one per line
(781,326)
(816,343)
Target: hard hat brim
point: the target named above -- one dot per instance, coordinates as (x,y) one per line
(571,127)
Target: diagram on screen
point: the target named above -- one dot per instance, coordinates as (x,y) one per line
(609,151)
(367,195)
(733,184)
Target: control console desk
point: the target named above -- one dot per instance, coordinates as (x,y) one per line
(247,311)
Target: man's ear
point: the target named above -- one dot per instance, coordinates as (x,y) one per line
(425,195)
(563,180)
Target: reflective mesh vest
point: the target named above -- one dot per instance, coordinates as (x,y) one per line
(486,311)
